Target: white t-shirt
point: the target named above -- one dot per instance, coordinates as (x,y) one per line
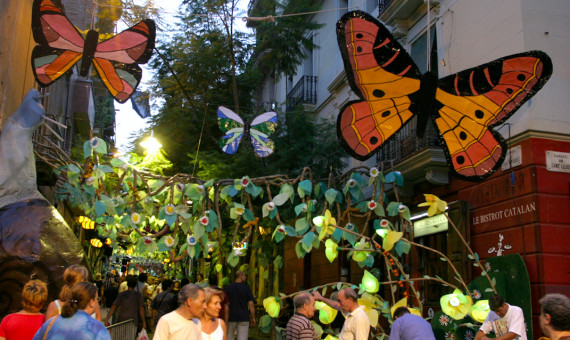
(513,321)
(356,326)
(173,326)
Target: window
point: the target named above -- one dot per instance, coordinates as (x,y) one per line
(342,6)
(419,51)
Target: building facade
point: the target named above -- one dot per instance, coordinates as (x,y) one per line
(522,208)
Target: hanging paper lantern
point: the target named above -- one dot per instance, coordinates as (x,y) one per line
(331,251)
(456,304)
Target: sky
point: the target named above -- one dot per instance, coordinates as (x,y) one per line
(127,120)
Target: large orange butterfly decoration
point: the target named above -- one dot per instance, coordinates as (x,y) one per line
(463,106)
(61,46)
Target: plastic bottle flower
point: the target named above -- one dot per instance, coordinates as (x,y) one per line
(374,172)
(270,206)
(147,240)
(331,251)
(244,181)
(135,218)
(169,241)
(351,183)
(180,186)
(204,220)
(480,310)
(89,180)
(200,189)
(94,142)
(271,306)
(169,209)
(372,205)
(326,223)
(456,304)
(369,282)
(326,313)
(191,240)
(436,206)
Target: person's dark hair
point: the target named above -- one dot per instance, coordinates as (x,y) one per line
(400,311)
(131,281)
(301,299)
(72,275)
(80,295)
(496,301)
(558,307)
(34,296)
(350,293)
(143,277)
(213,279)
(167,283)
(189,291)
(184,282)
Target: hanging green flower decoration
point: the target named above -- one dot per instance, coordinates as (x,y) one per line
(271,306)
(326,313)
(436,206)
(456,304)
(369,282)
(480,310)
(331,251)
(326,224)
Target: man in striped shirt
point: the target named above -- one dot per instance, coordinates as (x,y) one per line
(299,326)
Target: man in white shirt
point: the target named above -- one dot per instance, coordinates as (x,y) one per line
(356,324)
(183,323)
(505,320)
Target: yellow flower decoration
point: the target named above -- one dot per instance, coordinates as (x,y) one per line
(390,239)
(330,337)
(370,282)
(456,304)
(327,223)
(331,251)
(367,301)
(404,303)
(271,306)
(480,310)
(326,313)
(436,206)
(360,256)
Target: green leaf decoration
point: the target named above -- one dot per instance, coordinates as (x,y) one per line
(330,195)
(198,229)
(170,219)
(248,215)
(307,186)
(299,208)
(100,208)
(116,163)
(86,149)
(106,169)
(290,230)
(320,188)
(395,177)
(232,259)
(101,146)
(278,262)
(265,324)
(308,239)
(300,250)
(393,208)
(379,211)
(402,247)
(287,189)
(301,225)
(280,199)
(73,168)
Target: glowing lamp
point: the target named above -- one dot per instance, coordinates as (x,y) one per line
(326,313)
(456,304)
(271,306)
(480,310)
(96,243)
(370,282)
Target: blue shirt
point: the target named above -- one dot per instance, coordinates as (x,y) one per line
(80,326)
(411,327)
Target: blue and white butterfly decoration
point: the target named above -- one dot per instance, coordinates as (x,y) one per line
(259,131)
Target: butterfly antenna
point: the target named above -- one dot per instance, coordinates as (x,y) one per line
(200,139)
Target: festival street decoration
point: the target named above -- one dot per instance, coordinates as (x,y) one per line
(259,131)
(464,107)
(61,46)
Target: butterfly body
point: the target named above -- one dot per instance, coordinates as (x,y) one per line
(463,107)
(61,46)
(258,132)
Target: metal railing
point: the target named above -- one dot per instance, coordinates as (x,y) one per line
(125,330)
(405,143)
(383,5)
(304,92)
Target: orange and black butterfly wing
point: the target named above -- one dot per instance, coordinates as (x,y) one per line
(116,59)
(471,102)
(383,75)
(60,45)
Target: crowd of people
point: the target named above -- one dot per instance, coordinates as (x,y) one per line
(203,311)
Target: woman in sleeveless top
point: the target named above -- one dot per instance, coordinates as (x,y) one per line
(213,328)
(72,275)
(25,323)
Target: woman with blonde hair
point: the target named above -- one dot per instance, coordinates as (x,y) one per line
(213,328)
(72,275)
(75,321)
(25,323)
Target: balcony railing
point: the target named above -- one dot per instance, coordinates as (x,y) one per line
(304,92)
(383,4)
(405,143)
